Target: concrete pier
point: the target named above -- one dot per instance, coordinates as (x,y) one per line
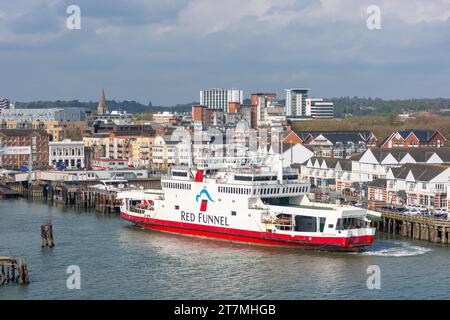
(415,227)
(78,194)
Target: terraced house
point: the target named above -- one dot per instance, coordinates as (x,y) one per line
(334,144)
(413,184)
(413,138)
(369,166)
(327,173)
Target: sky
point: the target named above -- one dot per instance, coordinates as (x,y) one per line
(166,51)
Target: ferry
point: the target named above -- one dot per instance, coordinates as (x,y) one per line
(254,205)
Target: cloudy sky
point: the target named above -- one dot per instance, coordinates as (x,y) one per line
(165,51)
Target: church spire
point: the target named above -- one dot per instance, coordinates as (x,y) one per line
(102,104)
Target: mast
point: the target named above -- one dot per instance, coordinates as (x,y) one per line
(280,159)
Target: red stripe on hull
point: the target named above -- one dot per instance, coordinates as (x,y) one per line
(261,238)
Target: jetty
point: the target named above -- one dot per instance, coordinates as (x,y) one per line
(81,194)
(414,227)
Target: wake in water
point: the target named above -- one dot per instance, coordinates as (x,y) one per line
(398,249)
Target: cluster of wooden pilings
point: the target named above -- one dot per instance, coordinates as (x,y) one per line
(78,194)
(13,271)
(415,227)
(47,240)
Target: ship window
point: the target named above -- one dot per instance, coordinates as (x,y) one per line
(233,213)
(177,207)
(331,226)
(179,174)
(305,224)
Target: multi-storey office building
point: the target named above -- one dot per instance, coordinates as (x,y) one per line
(319,109)
(216,98)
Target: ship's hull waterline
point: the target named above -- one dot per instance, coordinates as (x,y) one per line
(342,244)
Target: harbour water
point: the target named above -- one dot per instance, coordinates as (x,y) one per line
(120,261)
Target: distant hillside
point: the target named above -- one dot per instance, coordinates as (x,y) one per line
(380,125)
(368,106)
(343,106)
(129,106)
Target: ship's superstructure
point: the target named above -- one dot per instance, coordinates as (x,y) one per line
(252,204)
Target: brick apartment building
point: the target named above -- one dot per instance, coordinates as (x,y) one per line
(37,139)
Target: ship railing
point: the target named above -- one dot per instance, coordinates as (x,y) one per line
(137,210)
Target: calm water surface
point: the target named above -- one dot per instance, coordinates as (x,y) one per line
(120,261)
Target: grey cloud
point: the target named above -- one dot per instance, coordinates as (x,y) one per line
(134,60)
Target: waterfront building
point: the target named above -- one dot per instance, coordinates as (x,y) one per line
(327,173)
(219,99)
(413,184)
(369,166)
(38,140)
(66,154)
(375,162)
(413,138)
(85,175)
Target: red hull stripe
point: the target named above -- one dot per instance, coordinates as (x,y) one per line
(251,236)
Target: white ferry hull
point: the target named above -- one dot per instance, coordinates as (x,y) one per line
(354,243)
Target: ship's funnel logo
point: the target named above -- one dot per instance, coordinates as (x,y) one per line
(204,203)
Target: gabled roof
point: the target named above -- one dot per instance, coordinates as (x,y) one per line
(420,155)
(421,172)
(338,136)
(424,136)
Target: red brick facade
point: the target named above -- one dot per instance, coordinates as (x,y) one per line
(397,140)
(38,141)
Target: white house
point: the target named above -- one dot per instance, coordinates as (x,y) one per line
(418,184)
(67,153)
